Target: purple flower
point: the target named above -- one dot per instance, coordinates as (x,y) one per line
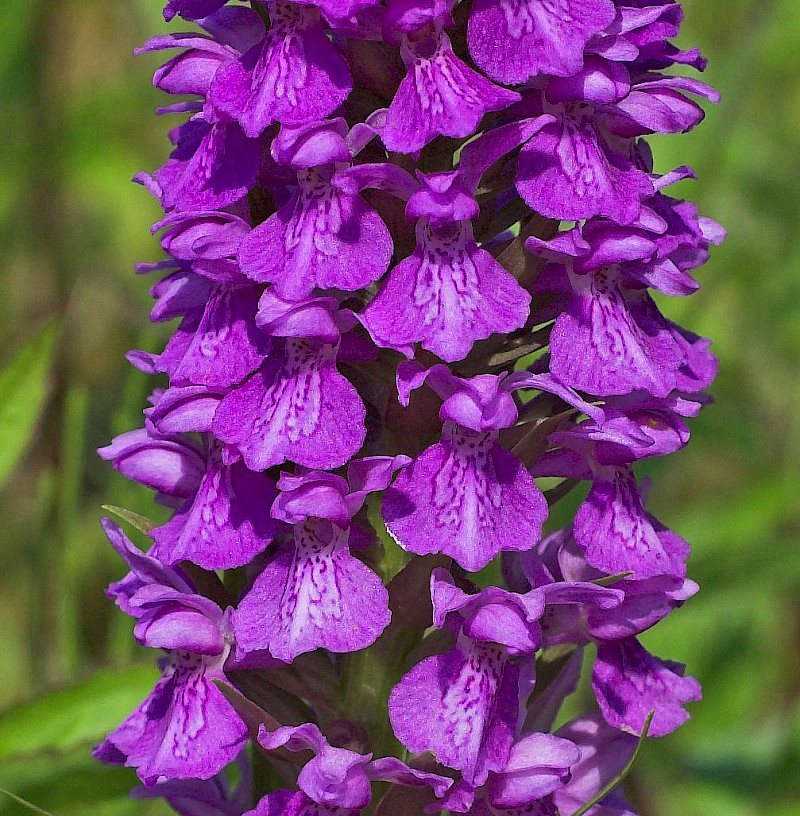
(304,259)
(225,524)
(337,778)
(463,705)
(450,292)
(629,683)
(537,765)
(229,31)
(146,571)
(610,338)
(465,496)
(586,164)
(324,235)
(219,346)
(297,406)
(217,343)
(612,526)
(185,729)
(213,165)
(313,593)
(537,36)
(440,95)
(223,508)
(579,611)
(294,76)
(171,465)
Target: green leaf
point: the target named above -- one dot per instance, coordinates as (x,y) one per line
(24,803)
(394,556)
(24,386)
(142,524)
(618,779)
(68,717)
(71,784)
(609,580)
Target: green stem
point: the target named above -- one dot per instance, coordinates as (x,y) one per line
(367,679)
(25,803)
(604,791)
(265,777)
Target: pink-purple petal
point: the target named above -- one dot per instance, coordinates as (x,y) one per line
(467,498)
(630,683)
(301,410)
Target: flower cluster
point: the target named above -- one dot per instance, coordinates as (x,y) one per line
(386,336)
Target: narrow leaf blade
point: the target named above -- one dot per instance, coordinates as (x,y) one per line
(24,387)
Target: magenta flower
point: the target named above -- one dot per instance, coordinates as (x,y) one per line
(540,37)
(313,593)
(358,205)
(325,235)
(185,729)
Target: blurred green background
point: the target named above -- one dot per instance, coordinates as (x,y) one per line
(78,123)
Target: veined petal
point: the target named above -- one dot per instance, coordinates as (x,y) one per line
(440,96)
(320,238)
(537,36)
(298,409)
(610,342)
(568,171)
(618,535)
(465,497)
(225,525)
(185,729)
(630,682)
(295,76)
(312,594)
(446,296)
(227,345)
(462,706)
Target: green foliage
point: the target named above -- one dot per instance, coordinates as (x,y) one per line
(77,715)
(24,385)
(72,784)
(136,520)
(45,746)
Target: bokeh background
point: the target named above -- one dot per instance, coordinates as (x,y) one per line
(77,123)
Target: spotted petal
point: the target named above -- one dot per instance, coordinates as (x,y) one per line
(225,525)
(465,497)
(227,345)
(462,706)
(610,341)
(537,36)
(294,76)
(185,729)
(618,535)
(440,96)
(321,238)
(446,296)
(312,594)
(568,171)
(298,409)
(630,682)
